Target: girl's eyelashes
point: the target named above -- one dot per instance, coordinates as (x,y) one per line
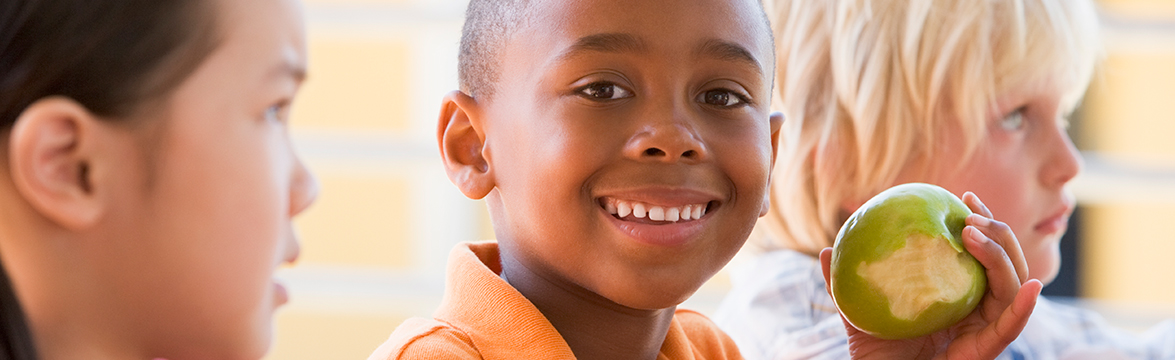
(278,112)
(604,91)
(1013,120)
(724,98)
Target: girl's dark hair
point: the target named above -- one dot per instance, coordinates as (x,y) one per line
(110,56)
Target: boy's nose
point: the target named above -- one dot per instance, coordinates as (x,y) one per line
(1065,161)
(666,142)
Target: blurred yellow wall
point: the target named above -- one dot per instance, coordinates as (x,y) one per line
(1130,121)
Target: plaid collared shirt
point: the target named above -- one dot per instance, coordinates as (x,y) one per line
(778,308)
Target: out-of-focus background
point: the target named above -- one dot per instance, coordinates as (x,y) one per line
(376,242)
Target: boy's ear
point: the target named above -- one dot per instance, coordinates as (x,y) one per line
(461,136)
(50,160)
(776,120)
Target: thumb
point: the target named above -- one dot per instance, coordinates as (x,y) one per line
(1012,320)
(826,266)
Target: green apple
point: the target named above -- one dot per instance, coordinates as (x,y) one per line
(899,269)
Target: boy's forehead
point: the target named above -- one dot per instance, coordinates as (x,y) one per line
(733,29)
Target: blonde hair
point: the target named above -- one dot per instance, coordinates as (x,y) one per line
(861,80)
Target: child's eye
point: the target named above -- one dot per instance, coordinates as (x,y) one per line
(276,112)
(604,91)
(723,98)
(1013,121)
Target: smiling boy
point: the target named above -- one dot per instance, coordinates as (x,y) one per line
(624,149)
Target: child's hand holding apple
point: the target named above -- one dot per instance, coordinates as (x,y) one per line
(912,264)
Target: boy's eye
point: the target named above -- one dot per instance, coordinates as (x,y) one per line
(722,98)
(604,91)
(1013,121)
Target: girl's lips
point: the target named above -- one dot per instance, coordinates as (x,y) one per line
(280,295)
(293,250)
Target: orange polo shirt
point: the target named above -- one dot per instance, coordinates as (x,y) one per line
(483,317)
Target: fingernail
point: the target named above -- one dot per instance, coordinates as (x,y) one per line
(979,220)
(977,235)
(1026,307)
(981,204)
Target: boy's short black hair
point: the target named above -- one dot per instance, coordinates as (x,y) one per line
(488,26)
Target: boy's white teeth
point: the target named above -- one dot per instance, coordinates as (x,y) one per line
(656,213)
(623,209)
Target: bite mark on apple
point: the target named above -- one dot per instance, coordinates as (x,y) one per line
(928,270)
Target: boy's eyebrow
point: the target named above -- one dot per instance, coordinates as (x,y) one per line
(621,42)
(605,42)
(726,50)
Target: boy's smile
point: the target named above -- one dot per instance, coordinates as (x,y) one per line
(660,215)
(630,150)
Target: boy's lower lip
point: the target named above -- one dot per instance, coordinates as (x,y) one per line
(1053,225)
(1058,222)
(668,234)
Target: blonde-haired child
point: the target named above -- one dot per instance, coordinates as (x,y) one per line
(971,95)
(147,178)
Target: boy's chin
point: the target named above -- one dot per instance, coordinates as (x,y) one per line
(651,297)
(1049,274)
(1044,265)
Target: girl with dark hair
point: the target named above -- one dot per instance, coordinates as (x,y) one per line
(147,180)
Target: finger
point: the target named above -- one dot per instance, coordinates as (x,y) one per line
(1002,280)
(826,266)
(1012,319)
(1002,234)
(976,205)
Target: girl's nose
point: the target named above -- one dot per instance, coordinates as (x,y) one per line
(303,188)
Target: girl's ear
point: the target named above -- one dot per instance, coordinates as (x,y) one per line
(461,136)
(50,165)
